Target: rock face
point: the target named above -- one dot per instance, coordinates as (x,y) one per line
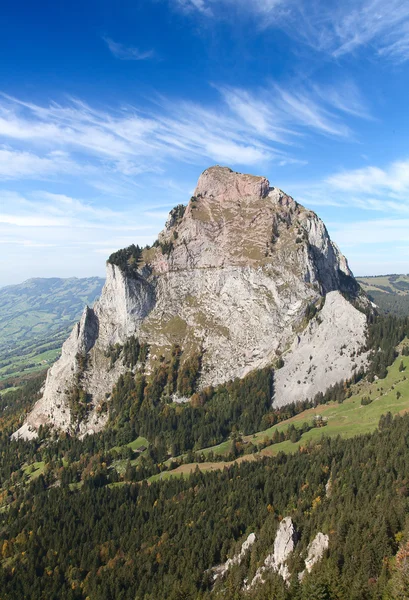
(284,544)
(237,559)
(232,275)
(115,317)
(315,552)
(324,351)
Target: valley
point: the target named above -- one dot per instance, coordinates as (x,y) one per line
(35,318)
(389,292)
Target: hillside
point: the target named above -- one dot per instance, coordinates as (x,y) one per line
(137,518)
(349,495)
(389,292)
(345,419)
(35,317)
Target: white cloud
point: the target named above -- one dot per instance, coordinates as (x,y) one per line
(127,52)
(280,114)
(17,164)
(46,209)
(335,27)
(32,221)
(79,233)
(370,188)
(201,5)
(391,181)
(242,129)
(209,7)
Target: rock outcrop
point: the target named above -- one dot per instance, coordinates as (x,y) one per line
(284,544)
(315,552)
(221,570)
(232,275)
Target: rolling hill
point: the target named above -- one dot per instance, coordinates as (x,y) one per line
(389,292)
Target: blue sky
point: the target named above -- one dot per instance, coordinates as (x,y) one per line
(109,111)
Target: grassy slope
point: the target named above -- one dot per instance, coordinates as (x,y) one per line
(346,419)
(35,318)
(399,284)
(34,470)
(120,464)
(390,293)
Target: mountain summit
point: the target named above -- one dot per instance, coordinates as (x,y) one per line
(241,278)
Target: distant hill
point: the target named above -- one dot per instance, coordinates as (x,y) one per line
(389,292)
(35,317)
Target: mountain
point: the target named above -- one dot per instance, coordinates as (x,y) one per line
(35,317)
(241,278)
(390,293)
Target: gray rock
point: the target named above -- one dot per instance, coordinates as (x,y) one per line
(284,544)
(329,350)
(315,552)
(237,559)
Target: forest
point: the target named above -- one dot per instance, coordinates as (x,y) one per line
(71,527)
(160,540)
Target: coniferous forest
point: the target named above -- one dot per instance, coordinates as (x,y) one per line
(160,540)
(72,526)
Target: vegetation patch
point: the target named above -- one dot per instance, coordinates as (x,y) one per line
(127,259)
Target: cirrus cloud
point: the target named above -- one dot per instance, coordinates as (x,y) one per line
(127,52)
(337,28)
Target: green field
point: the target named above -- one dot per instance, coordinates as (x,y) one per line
(34,470)
(390,293)
(120,464)
(32,363)
(396,284)
(347,419)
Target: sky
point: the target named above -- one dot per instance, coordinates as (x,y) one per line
(109,112)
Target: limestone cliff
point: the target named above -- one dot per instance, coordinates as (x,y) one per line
(232,274)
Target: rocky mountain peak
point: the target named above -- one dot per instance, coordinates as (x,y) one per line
(230,278)
(221,183)
(232,219)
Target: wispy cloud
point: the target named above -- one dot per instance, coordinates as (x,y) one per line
(203,6)
(80,230)
(210,7)
(371,188)
(337,28)
(281,112)
(18,164)
(392,181)
(243,128)
(127,52)
(46,209)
